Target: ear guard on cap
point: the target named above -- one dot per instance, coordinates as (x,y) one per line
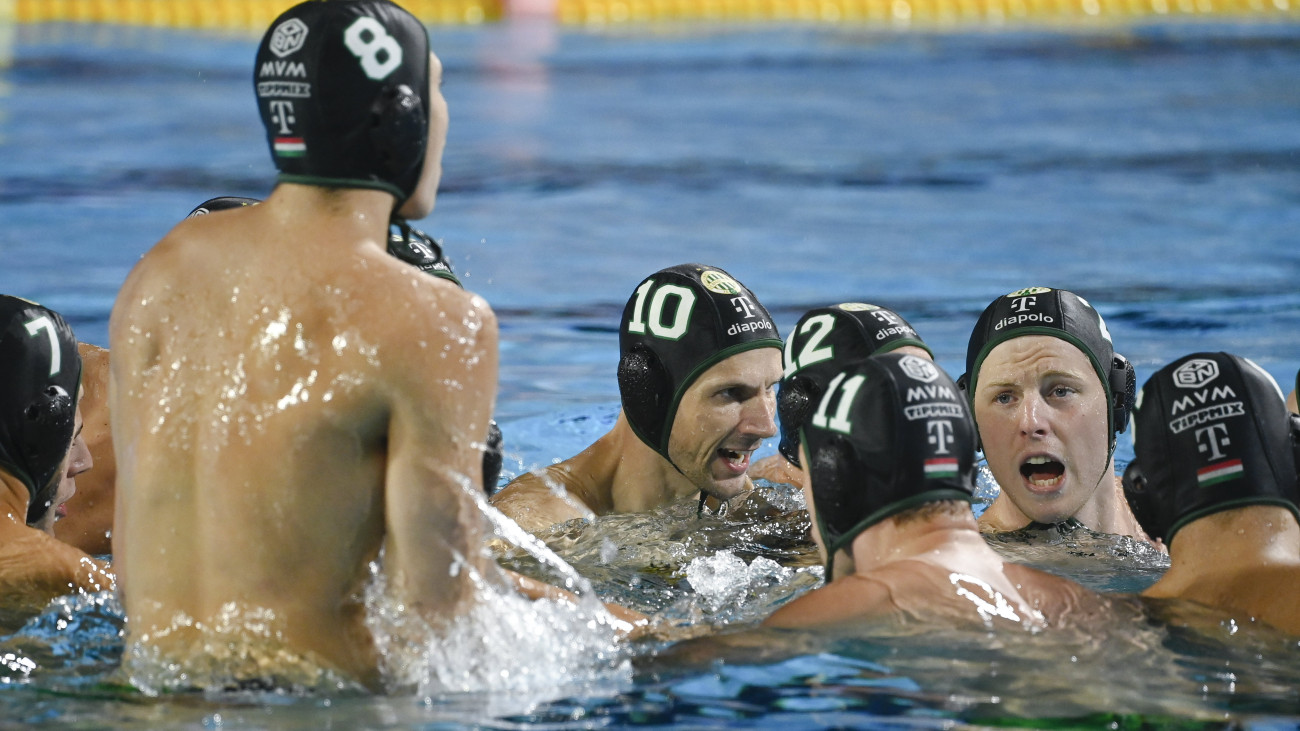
(795,401)
(398,126)
(493,456)
(53,411)
(1141,501)
(644,384)
(1295,445)
(1123,391)
(963,385)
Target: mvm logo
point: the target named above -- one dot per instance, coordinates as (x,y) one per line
(930,392)
(283,68)
(1202,397)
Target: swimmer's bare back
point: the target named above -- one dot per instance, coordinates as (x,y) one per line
(287,399)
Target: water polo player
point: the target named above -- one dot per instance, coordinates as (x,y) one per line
(699,361)
(289,399)
(889,463)
(822,342)
(1215,478)
(39,452)
(1049,394)
(423,252)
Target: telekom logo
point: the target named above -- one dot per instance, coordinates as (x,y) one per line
(1023,304)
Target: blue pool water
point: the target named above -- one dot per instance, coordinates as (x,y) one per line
(1153,169)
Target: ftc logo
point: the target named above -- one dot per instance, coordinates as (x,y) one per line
(282,114)
(1196,373)
(1212,439)
(288,37)
(940,432)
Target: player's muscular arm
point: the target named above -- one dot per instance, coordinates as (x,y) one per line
(435,456)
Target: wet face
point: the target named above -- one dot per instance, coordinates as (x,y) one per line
(1041,411)
(77,461)
(421,201)
(722,418)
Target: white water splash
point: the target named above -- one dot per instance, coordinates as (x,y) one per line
(505,643)
(724,578)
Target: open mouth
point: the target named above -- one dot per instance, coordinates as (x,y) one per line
(1043,472)
(737,461)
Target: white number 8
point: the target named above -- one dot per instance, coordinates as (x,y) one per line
(369,50)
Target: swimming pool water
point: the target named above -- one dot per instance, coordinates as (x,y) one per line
(1154,169)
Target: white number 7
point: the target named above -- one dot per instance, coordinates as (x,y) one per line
(43,323)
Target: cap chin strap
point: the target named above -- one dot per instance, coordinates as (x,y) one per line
(402,225)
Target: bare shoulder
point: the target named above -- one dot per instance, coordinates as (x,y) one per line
(94,361)
(418,312)
(1055,596)
(775,468)
(849,600)
(540,499)
(35,567)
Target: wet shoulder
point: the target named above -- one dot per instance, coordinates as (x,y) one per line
(35,568)
(1059,599)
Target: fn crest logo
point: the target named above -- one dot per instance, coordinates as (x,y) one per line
(1196,373)
(288,37)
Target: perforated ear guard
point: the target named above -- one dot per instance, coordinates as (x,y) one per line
(795,400)
(1295,445)
(493,456)
(644,384)
(398,125)
(1139,498)
(1123,391)
(963,385)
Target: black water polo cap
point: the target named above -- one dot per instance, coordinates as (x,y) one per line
(680,322)
(423,252)
(823,343)
(342,87)
(1060,314)
(38,400)
(221,203)
(1212,432)
(891,433)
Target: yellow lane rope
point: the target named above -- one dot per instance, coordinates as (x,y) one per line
(257,14)
(235,14)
